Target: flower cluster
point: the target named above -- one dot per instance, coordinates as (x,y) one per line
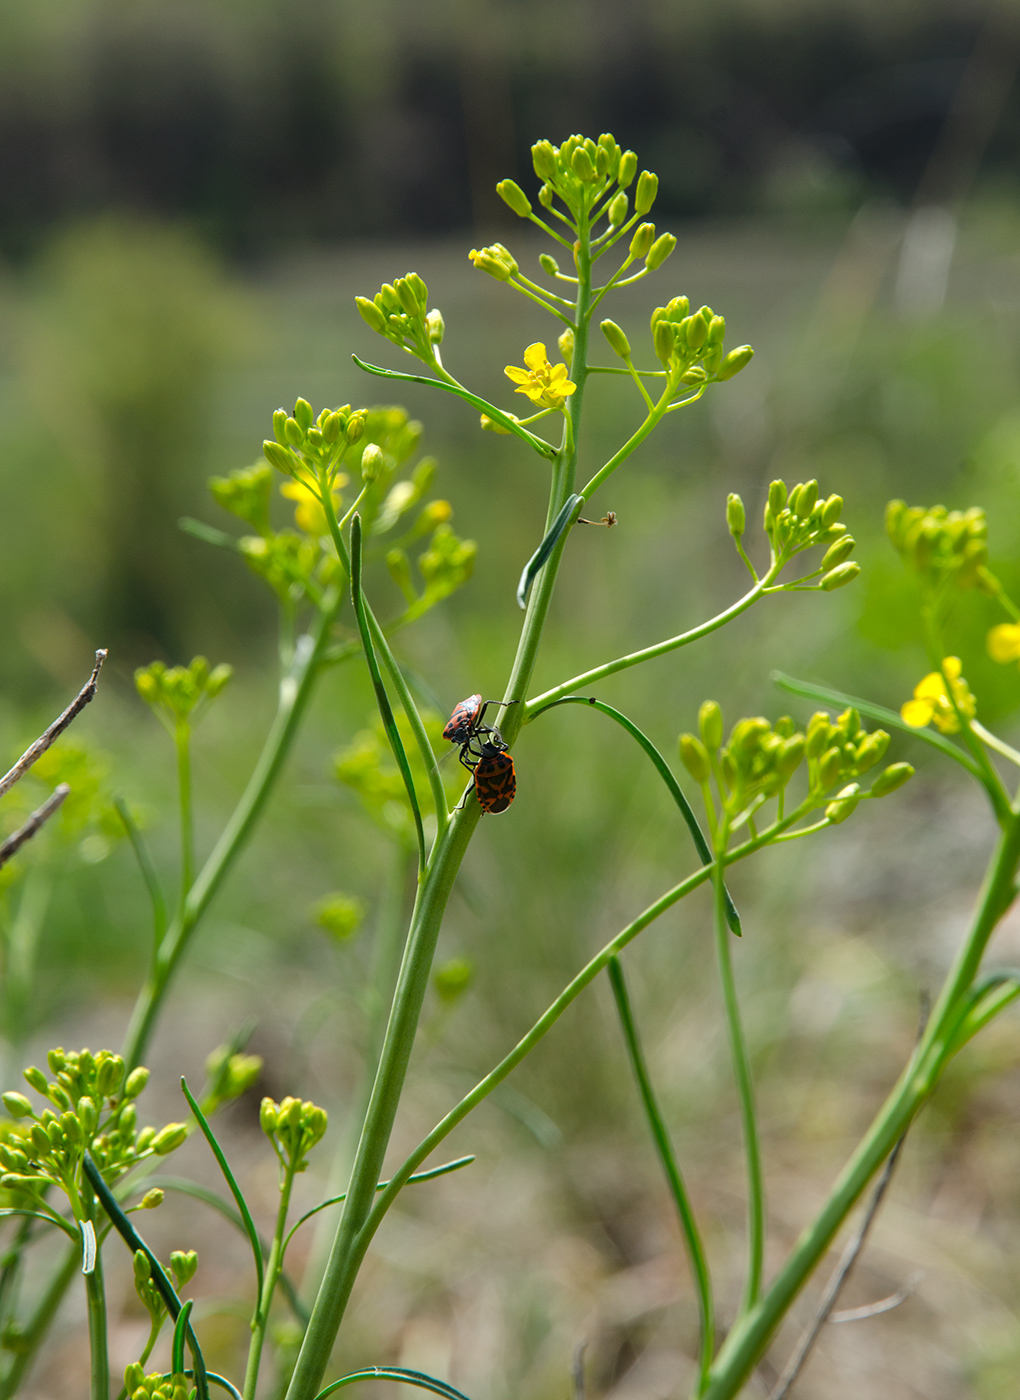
(946,548)
(309,448)
(229,1074)
(96,1113)
(156,1386)
(582,171)
(399,311)
(183,1264)
(936,702)
(797,519)
(293,1127)
(179,694)
(546,385)
(688,345)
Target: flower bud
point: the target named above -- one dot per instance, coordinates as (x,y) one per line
(417,285)
(845,802)
(268,1115)
(70,1127)
(891,778)
(710,725)
(582,165)
(841,575)
(111,1071)
(38,1138)
(735,517)
(647,189)
(136,1082)
(152,1199)
(803,498)
(618,210)
(183,1262)
(543,158)
(435,326)
(829,766)
(549,264)
(831,510)
(566,344)
(838,552)
(373,462)
(545,196)
(303,414)
(716,330)
(372,316)
(512,195)
(871,750)
(168,1139)
(144,1139)
(660,250)
(134,1375)
(87,1116)
(664,339)
(278,457)
(489,425)
(734,362)
(617,340)
(695,331)
(36,1079)
(17,1105)
(777,496)
(408,298)
(789,756)
(641,243)
(628,169)
(142,1266)
(694,757)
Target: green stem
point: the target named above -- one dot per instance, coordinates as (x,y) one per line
(635,658)
(752,1333)
(31,1338)
(660,1136)
(95,1294)
(274,1267)
(182,740)
(745,1091)
(295,692)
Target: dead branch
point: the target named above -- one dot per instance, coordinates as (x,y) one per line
(47,737)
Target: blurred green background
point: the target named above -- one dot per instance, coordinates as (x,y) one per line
(190,197)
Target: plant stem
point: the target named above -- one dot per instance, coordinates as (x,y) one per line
(95,1294)
(182,740)
(745,1089)
(660,1136)
(30,1339)
(274,1267)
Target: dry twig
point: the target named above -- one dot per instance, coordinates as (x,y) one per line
(27,831)
(47,737)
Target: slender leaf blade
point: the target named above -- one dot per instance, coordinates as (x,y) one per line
(543,551)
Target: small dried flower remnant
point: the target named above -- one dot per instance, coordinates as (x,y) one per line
(546,385)
(931,702)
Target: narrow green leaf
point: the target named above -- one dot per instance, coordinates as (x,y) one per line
(180,1328)
(395,1373)
(429,1175)
(543,448)
(228,1176)
(147,869)
(208,533)
(49,1220)
(986,1001)
(543,551)
(382,699)
(665,773)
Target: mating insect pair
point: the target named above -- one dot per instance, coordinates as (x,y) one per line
(483,753)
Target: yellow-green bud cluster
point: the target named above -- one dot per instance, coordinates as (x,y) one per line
(303,445)
(496,260)
(95,1112)
(228,1076)
(293,1126)
(690,345)
(944,547)
(759,759)
(148,1294)
(246,493)
(581,171)
(400,311)
(176,693)
(799,519)
(139,1386)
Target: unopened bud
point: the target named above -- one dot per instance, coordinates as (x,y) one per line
(17,1105)
(734,362)
(840,576)
(549,264)
(789,756)
(628,169)
(408,297)
(489,425)
(278,457)
(838,552)
(647,189)
(168,1139)
(136,1082)
(279,419)
(845,802)
(660,250)
(716,330)
(184,1262)
(512,195)
(618,210)
(566,344)
(303,414)
(582,165)
(735,517)
(372,316)
(664,339)
(831,510)
(36,1079)
(802,501)
(695,331)
(891,778)
(710,725)
(142,1266)
(694,757)
(641,243)
(829,767)
(871,750)
(373,462)
(435,326)
(543,158)
(617,340)
(87,1116)
(152,1199)
(777,496)
(268,1116)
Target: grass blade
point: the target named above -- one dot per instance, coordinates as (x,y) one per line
(433,1172)
(543,551)
(180,1328)
(396,1373)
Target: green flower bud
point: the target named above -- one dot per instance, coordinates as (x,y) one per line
(849,723)
(390,301)
(39,1139)
(545,196)
(831,510)
(183,1262)
(111,1071)
(144,1139)
(618,208)
(355,429)
(838,552)
(17,1105)
(269,1116)
(845,802)
(566,344)
(789,756)
(628,169)
(803,498)
(152,1199)
(777,496)
(512,195)
(694,375)
(647,189)
(543,158)
(660,250)
(735,517)
(435,326)
(891,778)
(134,1376)
(617,340)
(841,575)
(408,299)
(549,264)
(372,316)
(417,285)
(36,1079)
(716,330)
(136,1082)
(710,725)
(664,339)
(278,457)
(56,1059)
(373,462)
(582,165)
(641,242)
(829,766)
(314,1122)
(819,731)
(734,362)
(694,757)
(695,331)
(168,1139)
(489,425)
(871,750)
(71,1127)
(452,980)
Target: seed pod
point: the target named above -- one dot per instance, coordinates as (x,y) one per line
(734,362)
(710,725)
(514,197)
(17,1105)
(647,189)
(735,516)
(642,240)
(891,778)
(694,757)
(660,250)
(841,575)
(617,340)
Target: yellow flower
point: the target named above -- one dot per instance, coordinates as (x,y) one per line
(931,700)
(545,385)
(309,515)
(1004,642)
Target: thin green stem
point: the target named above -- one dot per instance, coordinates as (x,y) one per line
(274,1268)
(95,1295)
(541,301)
(182,742)
(674,1178)
(993,741)
(745,1092)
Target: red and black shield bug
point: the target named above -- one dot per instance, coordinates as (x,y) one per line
(495,779)
(460,727)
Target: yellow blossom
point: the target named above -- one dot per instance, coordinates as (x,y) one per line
(546,385)
(1004,642)
(931,700)
(308,514)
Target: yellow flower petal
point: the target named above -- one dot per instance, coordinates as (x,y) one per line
(1004,642)
(917,713)
(519,376)
(535,357)
(933,687)
(952,666)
